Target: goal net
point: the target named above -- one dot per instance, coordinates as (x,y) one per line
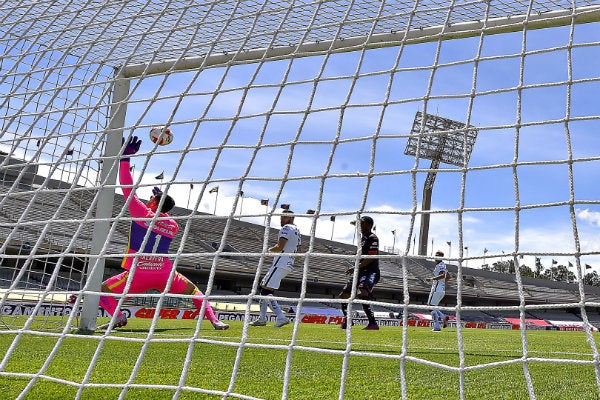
(317,106)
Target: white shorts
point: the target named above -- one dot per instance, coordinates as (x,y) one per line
(273,278)
(435,298)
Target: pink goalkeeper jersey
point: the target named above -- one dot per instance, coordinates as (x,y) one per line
(160,237)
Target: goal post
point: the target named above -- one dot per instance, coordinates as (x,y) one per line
(413,35)
(104,205)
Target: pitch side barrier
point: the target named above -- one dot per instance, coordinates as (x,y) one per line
(63,310)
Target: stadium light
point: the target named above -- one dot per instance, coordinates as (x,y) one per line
(439,140)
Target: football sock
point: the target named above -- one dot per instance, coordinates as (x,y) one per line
(208,311)
(370,315)
(275,307)
(263,309)
(434,317)
(109,304)
(441,315)
(345,309)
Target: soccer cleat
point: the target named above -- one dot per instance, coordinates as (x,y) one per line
(281,322)
(220,326)
(119,323)
(371,327)
(345,325)
(258,322)
(436,330)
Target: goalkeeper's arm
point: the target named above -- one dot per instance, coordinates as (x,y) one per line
(136,206)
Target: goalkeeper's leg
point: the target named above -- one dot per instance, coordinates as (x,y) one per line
(113,284)
(198,299)
(180,282)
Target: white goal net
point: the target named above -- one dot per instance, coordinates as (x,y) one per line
(316,106)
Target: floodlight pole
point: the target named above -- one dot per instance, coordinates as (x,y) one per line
(439,140)
(426,207)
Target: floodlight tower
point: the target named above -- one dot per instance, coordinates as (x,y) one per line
(439,140)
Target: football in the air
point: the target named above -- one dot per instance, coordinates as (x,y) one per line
(161,135)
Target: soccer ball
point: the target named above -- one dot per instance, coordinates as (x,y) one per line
(161,135)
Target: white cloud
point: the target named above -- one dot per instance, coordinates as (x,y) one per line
(591,217)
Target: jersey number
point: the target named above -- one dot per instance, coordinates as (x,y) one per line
(156,243)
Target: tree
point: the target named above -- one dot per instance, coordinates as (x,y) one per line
(527,271)
(559,273)
(539,268)
(592,278)
(505,267)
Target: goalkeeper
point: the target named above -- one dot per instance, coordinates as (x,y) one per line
(151,271)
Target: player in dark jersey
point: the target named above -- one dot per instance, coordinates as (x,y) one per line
(368,274)
(152,270)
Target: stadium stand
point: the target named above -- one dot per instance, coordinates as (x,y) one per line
(232,247)
(559,315)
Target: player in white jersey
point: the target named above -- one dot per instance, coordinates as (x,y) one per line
(288,241)
(438,290)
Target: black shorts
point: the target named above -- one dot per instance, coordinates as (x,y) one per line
(366,281)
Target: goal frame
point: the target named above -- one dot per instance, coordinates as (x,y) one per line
(125,73)
(395,38)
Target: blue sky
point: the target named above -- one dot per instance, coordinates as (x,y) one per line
(278,121)
(239,124)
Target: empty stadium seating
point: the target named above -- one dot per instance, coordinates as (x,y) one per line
(56,223)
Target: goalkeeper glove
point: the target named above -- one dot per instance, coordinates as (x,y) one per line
(132,147)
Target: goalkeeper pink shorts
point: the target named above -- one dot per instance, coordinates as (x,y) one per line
(144,280)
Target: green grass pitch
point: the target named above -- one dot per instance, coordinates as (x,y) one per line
(372,361)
